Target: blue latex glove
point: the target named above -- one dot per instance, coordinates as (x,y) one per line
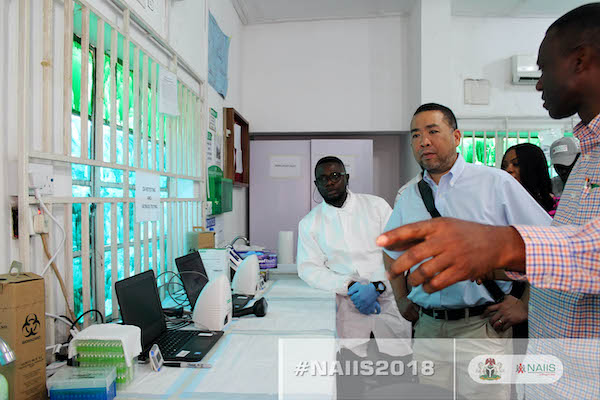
(363,295)
(377,307)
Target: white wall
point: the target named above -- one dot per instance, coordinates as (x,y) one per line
(393,165)
(343,75)
(235,222)
(481,49)
(188,32)
(5,219)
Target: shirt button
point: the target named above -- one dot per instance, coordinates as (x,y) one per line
(573,195)
(548,280)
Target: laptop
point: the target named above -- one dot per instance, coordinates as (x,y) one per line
(194,278)
(140,305)
(193,275)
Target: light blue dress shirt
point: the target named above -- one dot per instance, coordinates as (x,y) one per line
(474,193)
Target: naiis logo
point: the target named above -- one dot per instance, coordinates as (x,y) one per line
(31,325)
(537,368)
(513,368)
(490,370)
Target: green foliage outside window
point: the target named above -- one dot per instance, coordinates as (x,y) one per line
(110,179)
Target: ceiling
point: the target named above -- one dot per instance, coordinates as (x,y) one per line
(514,8)
(270,11)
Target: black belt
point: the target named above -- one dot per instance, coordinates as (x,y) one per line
(454,314)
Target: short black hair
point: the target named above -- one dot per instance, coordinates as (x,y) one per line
(329,159)
(579,26)
(448,114)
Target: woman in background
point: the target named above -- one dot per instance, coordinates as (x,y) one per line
(527,163)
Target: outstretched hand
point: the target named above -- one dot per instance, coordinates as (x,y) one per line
(457,250)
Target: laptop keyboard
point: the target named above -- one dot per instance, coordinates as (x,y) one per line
(171,342)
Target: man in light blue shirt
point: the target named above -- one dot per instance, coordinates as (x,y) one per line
(460,190)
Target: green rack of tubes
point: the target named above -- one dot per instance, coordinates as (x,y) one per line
(105,353)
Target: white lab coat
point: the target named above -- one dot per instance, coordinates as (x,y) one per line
(337,246)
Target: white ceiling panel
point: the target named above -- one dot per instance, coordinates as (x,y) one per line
(514,8)
(271,11)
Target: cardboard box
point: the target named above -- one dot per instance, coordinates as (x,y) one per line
(200,239)
(22,326)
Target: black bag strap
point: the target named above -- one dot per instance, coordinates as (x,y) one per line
(427,197)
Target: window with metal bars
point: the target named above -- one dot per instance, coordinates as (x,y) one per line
(89,181)
(488,147)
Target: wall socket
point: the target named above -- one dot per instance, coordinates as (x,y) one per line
(41,176)
(41,223)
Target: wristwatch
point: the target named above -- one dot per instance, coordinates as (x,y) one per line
(379,286)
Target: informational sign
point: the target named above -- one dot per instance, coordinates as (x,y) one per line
(218,149)
(147,197)
(237,145)
(285,167)
(218,57)
(209,150)
(167,92)
(212,121)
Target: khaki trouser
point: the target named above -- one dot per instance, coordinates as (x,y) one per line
(476,337)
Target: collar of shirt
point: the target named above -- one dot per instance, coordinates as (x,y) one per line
(346,207)
(588,134)
(453,174)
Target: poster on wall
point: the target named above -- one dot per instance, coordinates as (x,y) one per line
(218,150)
(147,197)
(218,57)
(212,121)
(285,166)
(167,92)
(209,149)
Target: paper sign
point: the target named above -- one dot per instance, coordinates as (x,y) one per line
(237,145)
(147,197)
(167,92)
(285,167)
(209,150)
(212,120)
(218,149)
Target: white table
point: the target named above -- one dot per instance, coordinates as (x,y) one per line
(244,361)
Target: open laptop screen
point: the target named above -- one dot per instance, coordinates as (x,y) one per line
(193,275)
(140,305)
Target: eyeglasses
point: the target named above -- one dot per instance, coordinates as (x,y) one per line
(334,177)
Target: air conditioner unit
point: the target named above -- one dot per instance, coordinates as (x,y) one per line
(525,70)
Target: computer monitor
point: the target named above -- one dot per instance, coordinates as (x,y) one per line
(140,305)
(193,275)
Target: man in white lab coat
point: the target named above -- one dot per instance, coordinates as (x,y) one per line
(337,253)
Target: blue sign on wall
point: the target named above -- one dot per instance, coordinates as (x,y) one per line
(218,57)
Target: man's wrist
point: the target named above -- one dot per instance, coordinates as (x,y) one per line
(512,254)
(379,286)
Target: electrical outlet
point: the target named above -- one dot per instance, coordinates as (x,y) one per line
(41,224)
(35,210)
(42,177)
